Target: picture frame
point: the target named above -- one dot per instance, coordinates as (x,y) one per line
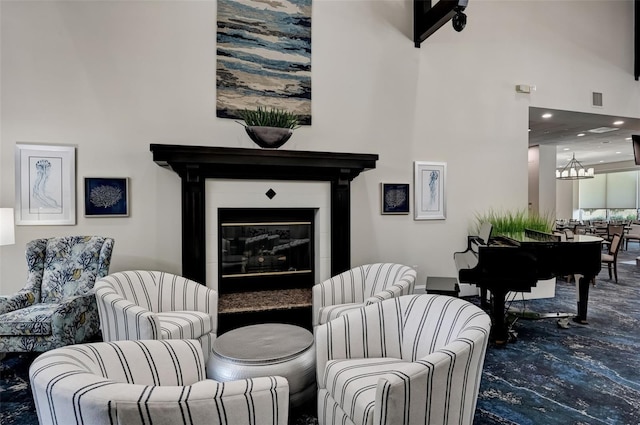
(395,198)
(45,184)
(429,190)
(106,196)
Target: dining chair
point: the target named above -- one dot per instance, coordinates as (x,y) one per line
(613,229)
(611,257)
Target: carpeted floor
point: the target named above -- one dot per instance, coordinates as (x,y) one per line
(587,374)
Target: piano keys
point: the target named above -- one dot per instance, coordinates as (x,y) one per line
(516,262)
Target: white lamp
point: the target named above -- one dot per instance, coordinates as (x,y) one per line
(7,226)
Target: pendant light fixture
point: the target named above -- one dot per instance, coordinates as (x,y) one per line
(574,170)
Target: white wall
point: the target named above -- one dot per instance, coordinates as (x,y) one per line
(566,199)
(547,181)
(113,77)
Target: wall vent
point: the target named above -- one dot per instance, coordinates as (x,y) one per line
(596,99)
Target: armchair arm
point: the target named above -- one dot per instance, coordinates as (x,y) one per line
(362,333)
(20,299)
(441,387)
(244,402)
(400,396)
(345,288)
(447,387)
(75,319)
(180,293)
(122,319)
(398,289)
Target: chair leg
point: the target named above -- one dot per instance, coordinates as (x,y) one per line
(609,267)
(615,270)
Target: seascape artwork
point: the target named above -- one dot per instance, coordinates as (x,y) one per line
(45,182)
(263,57)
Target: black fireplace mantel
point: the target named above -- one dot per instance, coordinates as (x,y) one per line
(195,164)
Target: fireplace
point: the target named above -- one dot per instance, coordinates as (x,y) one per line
(200,168)
(265,249)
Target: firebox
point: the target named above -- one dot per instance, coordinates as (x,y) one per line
(265,249)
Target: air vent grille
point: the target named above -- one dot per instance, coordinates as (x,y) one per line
(596,99)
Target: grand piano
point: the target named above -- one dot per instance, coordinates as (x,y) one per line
(515,262)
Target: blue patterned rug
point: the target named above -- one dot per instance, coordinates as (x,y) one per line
(587,374)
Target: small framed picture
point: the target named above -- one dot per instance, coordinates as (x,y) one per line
(429,190)
(106,197)
(395,198)
(45,184)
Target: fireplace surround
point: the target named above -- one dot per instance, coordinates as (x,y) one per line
(195,164)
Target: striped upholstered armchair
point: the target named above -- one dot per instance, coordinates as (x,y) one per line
(156,305)
(358,287)
(148,382)
(414,359)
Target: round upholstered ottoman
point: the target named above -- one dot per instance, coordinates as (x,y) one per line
(268,349)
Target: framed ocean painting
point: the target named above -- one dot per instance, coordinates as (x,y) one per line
(263,57)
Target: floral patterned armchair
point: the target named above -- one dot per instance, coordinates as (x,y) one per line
(57,307)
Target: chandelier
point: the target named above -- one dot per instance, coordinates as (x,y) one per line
(574,170)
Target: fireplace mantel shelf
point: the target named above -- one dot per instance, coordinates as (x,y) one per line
(241,163)
(195,164)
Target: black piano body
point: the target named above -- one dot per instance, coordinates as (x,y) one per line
(515,262)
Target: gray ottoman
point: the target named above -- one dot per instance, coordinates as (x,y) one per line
(269,349)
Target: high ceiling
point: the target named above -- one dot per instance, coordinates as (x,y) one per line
(596,146)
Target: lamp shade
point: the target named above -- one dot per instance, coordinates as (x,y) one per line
(7,226)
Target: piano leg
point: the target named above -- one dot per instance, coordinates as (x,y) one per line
(583,297)
(483,298)
(499,329)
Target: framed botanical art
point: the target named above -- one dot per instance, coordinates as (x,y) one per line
(106,197)
(395,198)
(429,190)
(45,184)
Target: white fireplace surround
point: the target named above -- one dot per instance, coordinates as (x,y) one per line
(233,193)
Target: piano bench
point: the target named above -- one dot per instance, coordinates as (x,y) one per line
(442,286)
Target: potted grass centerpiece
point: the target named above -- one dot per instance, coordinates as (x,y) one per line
(269,128)
(511,222)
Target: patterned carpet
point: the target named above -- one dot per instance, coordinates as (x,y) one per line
(587,374)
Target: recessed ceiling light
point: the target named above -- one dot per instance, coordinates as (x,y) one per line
(565,149)
(547,115)
(618,152)
(580,134)
(619,122)
(601,160)
(628,138)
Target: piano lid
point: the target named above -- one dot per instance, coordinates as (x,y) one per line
(537,237)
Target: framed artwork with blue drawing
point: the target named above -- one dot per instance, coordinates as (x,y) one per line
(45,184)
(429,190)
(395,198)
(106,197)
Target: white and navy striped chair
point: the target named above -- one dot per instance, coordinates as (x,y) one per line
(148,382)
(415,359)
(156,305)
(359,287)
